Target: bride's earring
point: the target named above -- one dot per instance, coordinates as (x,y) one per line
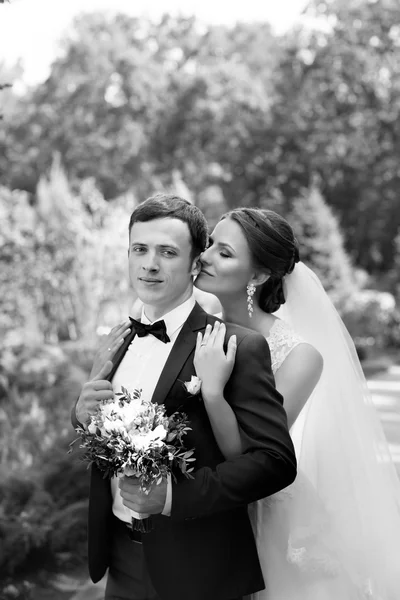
(251,288)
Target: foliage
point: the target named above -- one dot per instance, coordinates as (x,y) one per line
(38,388)
(338,113)
(15,251)
(372,320)
(322,246)
(233,107)
(132,435)
(43,492)
(38,528)
(62,260)
(392,279)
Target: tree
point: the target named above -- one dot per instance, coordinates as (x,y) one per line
(139,100)
(131,102)
(337,114)
(17,309)
(83,252)
(4,86)
(62,260)
(322,245)
(107,88)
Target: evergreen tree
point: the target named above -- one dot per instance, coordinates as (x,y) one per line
(82,255)
(321,244)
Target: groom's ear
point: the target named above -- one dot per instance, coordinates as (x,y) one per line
(196,267)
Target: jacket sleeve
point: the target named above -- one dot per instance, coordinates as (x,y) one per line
(268,463)
(74,420)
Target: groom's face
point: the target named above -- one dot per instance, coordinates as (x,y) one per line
(161,267)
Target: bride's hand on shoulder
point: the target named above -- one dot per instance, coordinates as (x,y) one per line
(108,346)
(213,365)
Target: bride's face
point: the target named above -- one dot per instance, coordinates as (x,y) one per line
(226,264)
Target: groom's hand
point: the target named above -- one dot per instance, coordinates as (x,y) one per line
(152,503)
(93,391)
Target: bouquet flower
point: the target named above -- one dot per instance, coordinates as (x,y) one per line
(132,436)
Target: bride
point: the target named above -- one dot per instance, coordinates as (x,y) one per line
(335,533)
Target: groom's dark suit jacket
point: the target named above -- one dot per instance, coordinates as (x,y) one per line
(206,548)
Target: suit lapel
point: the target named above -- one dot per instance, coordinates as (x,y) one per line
(180,352)
(182,348)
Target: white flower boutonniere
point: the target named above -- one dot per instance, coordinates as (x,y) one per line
(193,386)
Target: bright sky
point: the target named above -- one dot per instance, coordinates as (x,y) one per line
(30,29)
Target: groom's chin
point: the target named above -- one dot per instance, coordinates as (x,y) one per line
(149,296)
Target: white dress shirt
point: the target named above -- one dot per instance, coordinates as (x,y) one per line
(141,368)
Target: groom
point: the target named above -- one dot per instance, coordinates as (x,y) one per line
(202,545)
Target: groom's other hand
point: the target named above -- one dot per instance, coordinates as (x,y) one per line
(152,503)
(94,390)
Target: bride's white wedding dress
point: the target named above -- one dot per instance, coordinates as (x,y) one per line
(334,534)
(299,554)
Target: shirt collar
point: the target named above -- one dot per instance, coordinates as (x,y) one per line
(176,317)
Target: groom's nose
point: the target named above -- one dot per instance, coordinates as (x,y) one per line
(150,262)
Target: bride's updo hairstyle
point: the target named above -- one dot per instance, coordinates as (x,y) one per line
(273,247)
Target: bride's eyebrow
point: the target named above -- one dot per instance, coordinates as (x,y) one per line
(223,244)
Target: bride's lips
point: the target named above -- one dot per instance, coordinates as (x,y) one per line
(204,272)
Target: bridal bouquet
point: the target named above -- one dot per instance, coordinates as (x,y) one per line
(132,436)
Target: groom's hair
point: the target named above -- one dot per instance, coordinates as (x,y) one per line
(169,206)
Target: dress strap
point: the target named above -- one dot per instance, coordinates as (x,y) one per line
(282,339)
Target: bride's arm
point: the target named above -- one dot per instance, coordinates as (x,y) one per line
(297,377)
(214,367)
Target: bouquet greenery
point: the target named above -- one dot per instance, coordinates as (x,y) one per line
(132,436)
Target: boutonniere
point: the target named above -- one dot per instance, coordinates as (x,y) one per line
(193,386)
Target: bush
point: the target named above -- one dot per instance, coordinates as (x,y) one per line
(81,353)
(39,388)
(24,524)
(369,319)
(43,508)
(43,515)
(392,330)
(20,591)
(68,532)
(65,477)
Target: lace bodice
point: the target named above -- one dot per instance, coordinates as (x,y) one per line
(281,339)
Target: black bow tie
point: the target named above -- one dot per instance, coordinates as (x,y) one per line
(158,329)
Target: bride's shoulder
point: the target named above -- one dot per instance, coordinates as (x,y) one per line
(280,330)
(275,329)
(286,344)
